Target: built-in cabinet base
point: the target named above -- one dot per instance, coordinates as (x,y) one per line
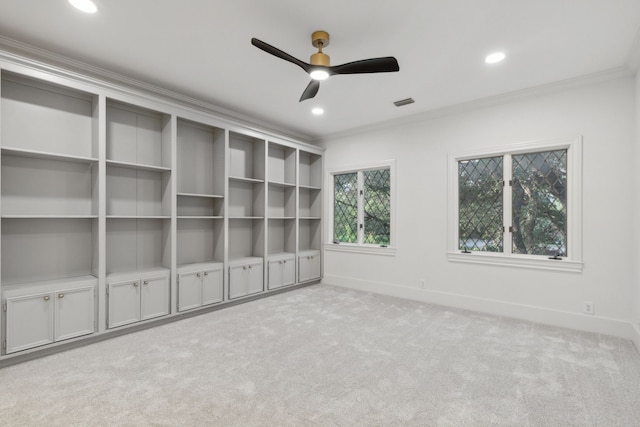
(137,296)
(200,284)
(45,312)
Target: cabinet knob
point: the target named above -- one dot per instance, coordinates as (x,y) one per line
(244,267)
(146,282)
(46,298)
(198,274)
(206,274)
(60,295)
(135,284)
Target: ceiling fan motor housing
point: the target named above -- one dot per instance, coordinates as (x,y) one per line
(320,39)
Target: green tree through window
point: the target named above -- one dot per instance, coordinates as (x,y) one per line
(362,207)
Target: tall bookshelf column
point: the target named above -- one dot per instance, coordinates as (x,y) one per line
(138,211)
(200,214)
(309,216)
(49,216)
(246,215)
(281,216)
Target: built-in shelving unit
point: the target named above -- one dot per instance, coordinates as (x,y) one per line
(118,208)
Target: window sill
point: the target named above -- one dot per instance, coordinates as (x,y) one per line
(540,263)
(360,249)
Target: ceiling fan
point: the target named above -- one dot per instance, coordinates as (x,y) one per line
(319,68)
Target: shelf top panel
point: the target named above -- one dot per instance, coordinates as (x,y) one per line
(15,289)
(310,217)
(243,179)
(309,187)
(199,217)
(282,217)
(137,166)
(19,152)
(209,196)
(246,217)
(147,273)
(137,217)
(49,216)
(244,260)
(281,184)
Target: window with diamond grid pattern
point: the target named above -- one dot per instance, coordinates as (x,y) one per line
(539,203)
(480,214)
(345,208)
(377,206)
(362,207)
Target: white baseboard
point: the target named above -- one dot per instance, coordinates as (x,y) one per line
(598,324)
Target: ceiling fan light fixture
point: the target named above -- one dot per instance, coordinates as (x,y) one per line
(87,6)
(319,74)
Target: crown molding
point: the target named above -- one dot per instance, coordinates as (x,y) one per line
(42,60)
(559,86)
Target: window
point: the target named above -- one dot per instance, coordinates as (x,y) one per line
(518,206)
(362,208)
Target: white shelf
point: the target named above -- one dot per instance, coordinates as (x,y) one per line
(137,166)
(137,217)
(49,216)
(244,260)
(34,154)
(246,217)
(282,217)
(282,184)
(9,290)
(120,276)
(207,196)
(309,187)
(242,179)
(199,217)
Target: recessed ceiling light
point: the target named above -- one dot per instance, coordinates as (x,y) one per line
(317,111)
(495,57)
(86,6)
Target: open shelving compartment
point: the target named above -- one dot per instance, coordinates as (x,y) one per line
(200,213)
(138,191)
(281,216)
(49,165)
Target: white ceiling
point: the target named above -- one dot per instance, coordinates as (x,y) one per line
(201,48)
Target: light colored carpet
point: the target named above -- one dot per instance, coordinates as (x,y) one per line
(325,356)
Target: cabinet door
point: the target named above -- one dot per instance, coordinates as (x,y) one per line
(238,281)
(155,297)
(288,272)
(29,321)
(275,274)
(74,313)
(124,303)
(308,267)
(212,286)
(255,278)
(189,291)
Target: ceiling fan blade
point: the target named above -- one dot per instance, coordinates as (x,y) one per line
(387,64)
(311,90)
(279,53)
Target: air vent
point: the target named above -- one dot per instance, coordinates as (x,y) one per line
(404,102)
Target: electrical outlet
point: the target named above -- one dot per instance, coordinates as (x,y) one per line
(587,307)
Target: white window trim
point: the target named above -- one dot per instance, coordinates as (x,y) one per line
(390,250)
(573,263)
